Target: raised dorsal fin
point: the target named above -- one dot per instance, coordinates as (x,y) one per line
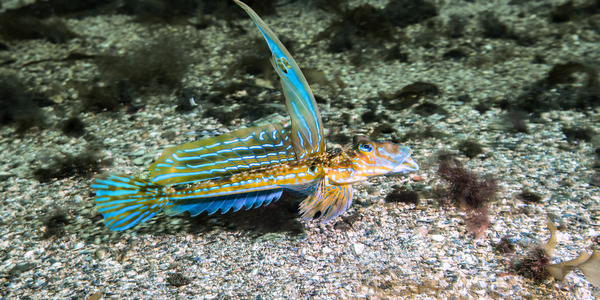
(307,127)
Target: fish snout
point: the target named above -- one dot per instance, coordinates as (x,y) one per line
(405,162)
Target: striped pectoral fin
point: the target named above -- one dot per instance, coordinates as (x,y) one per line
(327,202)
(125,201)
(224,203)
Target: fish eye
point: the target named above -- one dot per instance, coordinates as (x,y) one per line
(365,147)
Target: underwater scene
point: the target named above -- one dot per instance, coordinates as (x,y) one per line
(299,149)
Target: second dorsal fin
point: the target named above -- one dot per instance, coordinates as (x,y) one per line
(227,154)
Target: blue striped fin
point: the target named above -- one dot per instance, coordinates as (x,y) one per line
(307,126)
(126,201)
(227,154)
(327,202)
(225,203)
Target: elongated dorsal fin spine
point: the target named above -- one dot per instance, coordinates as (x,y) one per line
(307,126)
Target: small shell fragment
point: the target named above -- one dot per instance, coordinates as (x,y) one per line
(101,253)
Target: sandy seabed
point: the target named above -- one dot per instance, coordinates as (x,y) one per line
(53,243)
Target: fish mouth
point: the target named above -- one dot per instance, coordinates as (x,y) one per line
(408,165)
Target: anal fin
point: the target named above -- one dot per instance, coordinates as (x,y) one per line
(211,205)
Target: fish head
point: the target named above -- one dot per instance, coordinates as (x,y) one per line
(375,157)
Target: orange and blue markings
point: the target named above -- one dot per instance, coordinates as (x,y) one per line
(253,166)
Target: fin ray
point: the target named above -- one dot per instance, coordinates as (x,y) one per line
(307,126)
(301,190)
(327,201)
(125,201)
(211,205)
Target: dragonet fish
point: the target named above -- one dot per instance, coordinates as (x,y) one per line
(253,166)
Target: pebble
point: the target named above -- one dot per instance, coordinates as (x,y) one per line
(6,175)
(310,258)
(437,238)
(29,254)
(78,246)
(358,248)
(139,161)
(101,253)
(136,153)
(431,261)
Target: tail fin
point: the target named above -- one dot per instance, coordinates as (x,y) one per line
(126,201)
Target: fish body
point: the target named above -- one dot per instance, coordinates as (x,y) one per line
(254,166)
(326,180)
